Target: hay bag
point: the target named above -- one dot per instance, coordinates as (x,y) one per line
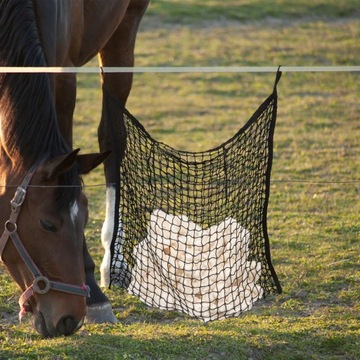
(191,230)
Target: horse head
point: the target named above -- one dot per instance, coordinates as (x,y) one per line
(42,245)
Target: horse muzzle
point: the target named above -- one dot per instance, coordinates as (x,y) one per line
(65,326)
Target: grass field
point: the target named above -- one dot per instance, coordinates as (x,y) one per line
(313,215)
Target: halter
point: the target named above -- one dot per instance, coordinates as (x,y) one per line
(41,284)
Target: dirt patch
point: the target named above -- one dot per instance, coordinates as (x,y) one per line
(7,318)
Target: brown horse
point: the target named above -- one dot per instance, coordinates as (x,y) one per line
(44,241)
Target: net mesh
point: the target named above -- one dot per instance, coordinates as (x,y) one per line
(191,231)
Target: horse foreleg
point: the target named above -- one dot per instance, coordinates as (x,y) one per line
(98,305)
(119,51)
(65,99)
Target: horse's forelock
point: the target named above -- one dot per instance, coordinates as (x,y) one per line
(66,195)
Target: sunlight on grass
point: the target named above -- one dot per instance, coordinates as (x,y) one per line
(313,224)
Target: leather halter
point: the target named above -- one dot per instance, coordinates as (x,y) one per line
(41,284)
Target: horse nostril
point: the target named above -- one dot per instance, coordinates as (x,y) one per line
(67,325)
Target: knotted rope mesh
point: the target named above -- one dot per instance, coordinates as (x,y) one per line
(192,232)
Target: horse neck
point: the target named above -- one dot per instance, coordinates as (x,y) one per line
(27,115)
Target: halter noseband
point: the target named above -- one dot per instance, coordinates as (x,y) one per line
(41,284)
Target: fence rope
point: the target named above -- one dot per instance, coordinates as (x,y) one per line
(179,69)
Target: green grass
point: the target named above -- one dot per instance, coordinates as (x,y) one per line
(192,11)
(313,226)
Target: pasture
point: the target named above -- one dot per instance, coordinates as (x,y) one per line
(313,214)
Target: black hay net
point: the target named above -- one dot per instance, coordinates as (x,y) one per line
(192,234)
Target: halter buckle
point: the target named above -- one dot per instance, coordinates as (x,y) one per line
(10,227)
(41,284)
(18,199)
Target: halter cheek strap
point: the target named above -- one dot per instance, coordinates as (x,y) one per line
(41,284)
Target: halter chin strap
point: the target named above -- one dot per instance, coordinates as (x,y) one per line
(41,284)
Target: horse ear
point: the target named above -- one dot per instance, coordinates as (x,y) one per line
(60,164)
(88,162)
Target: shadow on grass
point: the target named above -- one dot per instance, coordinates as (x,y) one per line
(191,342)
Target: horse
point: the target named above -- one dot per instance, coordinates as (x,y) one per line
(43,245)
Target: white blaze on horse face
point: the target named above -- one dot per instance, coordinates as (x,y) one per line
(107,235)
(74,211)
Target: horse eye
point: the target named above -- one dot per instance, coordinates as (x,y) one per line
(48,226)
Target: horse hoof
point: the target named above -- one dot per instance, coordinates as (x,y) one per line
(100,313)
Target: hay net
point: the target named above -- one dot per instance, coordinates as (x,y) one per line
(191,231)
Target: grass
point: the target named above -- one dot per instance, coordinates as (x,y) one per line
(313,224)
(185,11)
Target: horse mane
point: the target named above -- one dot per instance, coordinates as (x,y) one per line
(28,125)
